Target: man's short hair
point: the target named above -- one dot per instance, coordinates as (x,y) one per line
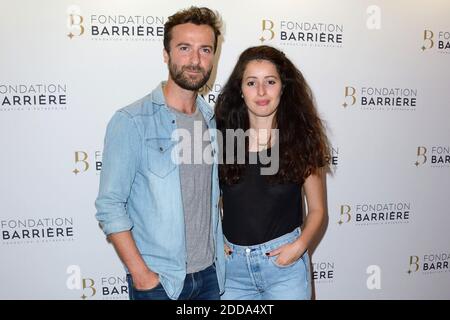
(195,15)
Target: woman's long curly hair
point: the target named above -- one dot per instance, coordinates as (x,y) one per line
(303,145)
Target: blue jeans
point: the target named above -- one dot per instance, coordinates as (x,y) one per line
(251,275)
(200,285)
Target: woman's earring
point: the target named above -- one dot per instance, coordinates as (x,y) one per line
(242,95)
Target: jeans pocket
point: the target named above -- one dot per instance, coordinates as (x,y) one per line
(148,290)
(273,259)
(155,293)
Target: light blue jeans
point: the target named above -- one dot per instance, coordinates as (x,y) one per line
(251,275)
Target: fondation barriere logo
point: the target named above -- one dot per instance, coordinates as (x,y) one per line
(104,287)
(370,98)
(87,161)
(115,26)
(436,40)
(434,156)
(302,33)
(429,263)
(323,271)
(210,92)
(381,213)
(33,97)
(37,230)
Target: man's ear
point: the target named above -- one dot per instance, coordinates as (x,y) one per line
(166,56)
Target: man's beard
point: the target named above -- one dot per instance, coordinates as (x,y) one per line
(186,82)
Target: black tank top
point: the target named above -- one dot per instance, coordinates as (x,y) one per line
(256,211)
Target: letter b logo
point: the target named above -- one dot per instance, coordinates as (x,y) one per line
(267,27)
(421,156)
(349,92)
(74,21)
(414,264)
(345,212)
(427,40)
(81,156)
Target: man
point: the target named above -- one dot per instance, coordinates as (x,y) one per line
(162,216)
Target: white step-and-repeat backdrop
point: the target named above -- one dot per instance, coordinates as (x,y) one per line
(380,73)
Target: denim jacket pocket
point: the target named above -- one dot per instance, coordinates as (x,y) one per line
(159,156)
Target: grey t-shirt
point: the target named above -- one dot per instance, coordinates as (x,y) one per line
(195,177)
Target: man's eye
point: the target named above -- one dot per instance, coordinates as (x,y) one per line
(206,50)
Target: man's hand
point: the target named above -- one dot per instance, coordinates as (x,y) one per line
(146,280)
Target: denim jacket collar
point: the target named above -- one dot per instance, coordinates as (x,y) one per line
(159,99)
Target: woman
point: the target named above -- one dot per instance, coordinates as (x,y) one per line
(266,251)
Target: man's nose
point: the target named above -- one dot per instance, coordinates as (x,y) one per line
(195,57)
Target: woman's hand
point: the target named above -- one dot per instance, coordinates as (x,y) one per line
(288,253)
(227,250)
